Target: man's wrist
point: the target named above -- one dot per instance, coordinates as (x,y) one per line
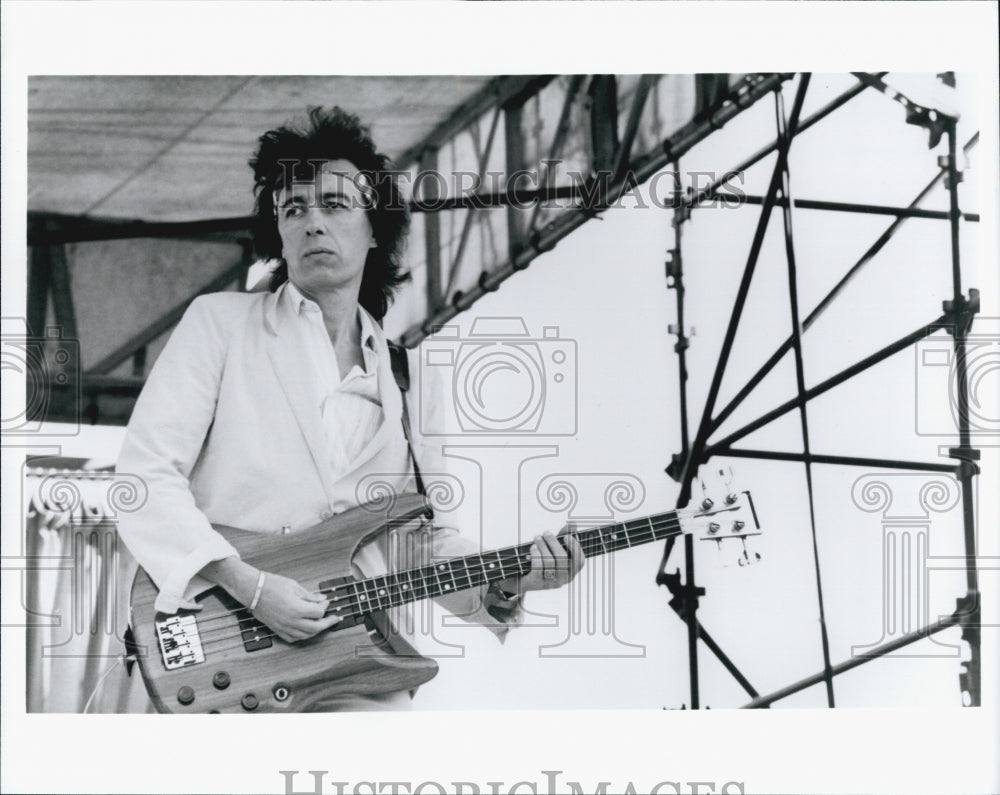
(237,577)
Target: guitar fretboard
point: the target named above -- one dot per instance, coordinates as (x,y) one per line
(472,571)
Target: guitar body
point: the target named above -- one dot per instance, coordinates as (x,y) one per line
(219,659)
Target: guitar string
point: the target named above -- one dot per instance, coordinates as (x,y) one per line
(267,634)
(514,555)
(594,542)
(420,586)
(357,609)
(507,558)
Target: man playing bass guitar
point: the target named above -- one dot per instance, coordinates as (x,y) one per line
(265,410)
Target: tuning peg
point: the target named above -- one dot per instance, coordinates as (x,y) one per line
(726,474)
(746,559)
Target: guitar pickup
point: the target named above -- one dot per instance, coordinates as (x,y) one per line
(255,635)
(339,604)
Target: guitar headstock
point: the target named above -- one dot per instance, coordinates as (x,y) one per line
(724,515)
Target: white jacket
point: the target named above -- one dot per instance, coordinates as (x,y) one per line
(225,432)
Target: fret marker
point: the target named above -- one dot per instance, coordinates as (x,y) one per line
(404,586)
(614,536)
(362,597)
(493,565)
(381,591)
(441,567)
(446,586)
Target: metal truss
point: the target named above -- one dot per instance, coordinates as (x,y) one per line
(957,317)
(96,395)
(608,138)
(611,131)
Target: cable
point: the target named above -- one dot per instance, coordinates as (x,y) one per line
(100,681)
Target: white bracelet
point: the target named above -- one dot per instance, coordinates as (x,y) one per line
(256,594)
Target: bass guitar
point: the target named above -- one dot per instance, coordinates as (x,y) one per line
(221,659)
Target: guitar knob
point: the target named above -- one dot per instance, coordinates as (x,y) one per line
(185,695)
(249,702)
(221,680)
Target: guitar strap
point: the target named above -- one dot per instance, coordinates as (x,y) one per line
(401,372)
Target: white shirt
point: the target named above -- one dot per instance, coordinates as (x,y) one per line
(228,431)
(351,407)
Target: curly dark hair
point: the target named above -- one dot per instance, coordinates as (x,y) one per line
(330,135)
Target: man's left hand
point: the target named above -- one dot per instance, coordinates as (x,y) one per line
(552,564)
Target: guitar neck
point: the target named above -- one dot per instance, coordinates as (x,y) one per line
(460,574)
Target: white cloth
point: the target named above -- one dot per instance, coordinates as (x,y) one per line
(229,430)
(351,408)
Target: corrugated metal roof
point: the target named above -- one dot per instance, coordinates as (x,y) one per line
(176,148)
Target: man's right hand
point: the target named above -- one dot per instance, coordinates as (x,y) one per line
(290,611)
(284,606)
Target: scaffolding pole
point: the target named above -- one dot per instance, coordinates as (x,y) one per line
(957,319)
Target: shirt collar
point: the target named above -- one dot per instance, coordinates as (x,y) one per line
(367,329)
(301,305)
(298,301)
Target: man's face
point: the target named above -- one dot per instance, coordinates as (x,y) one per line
(324,228)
